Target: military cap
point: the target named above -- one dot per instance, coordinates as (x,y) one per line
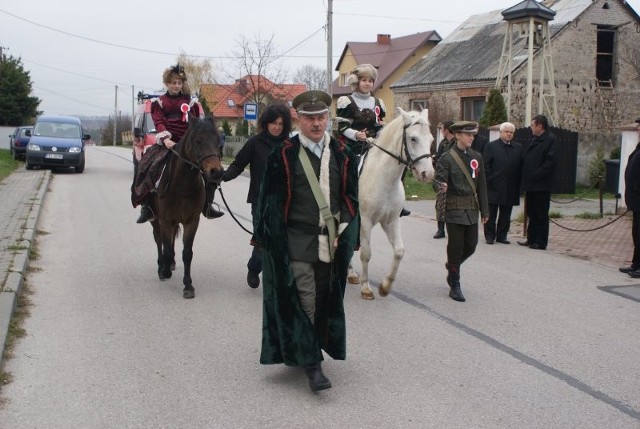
(312,103)
(464,127)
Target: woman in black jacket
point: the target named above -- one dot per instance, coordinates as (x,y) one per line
(274,126)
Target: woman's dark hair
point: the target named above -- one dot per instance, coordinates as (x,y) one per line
(273,112)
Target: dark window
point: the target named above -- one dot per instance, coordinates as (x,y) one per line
(604,56)
(419,105)
(472,108)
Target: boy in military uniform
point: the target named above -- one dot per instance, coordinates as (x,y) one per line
(460,174)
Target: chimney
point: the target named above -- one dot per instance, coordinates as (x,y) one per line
(384,39)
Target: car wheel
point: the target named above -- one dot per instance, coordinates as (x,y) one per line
(29,165)
(80,168)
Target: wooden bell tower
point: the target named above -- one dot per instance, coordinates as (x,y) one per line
(531,19)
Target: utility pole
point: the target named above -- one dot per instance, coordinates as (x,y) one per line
(133,107)
(329,44)
(115,118)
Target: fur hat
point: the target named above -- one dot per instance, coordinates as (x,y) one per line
(362,70)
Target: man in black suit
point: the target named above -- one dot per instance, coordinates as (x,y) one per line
(503,170)
(540,161)
(632,200)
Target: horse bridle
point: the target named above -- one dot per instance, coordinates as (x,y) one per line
(199,159)
(409,162)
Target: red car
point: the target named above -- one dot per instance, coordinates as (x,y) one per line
(144,131)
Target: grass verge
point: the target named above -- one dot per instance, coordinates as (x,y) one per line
(7,164)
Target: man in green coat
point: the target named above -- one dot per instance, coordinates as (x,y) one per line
(305,254)
(460,174)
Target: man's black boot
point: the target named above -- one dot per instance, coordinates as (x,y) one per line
(454,282)
(317,380)
(146,214)
(440,232)
(253,279)
(404,212)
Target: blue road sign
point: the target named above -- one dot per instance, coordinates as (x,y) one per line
(250,111)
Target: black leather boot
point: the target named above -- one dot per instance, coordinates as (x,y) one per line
(440,232)
(454,282)
(146,214)
(317,380)
(404,212)
(209,211)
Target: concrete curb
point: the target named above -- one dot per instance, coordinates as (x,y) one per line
(11,291)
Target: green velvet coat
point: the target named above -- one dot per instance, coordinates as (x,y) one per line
(288,336)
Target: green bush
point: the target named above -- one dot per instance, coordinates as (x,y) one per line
(615,153)
(596,167)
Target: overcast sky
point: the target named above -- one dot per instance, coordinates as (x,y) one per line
(78,51)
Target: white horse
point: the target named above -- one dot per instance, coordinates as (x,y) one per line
(404,142)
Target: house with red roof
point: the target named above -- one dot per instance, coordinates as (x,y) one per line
(227,101)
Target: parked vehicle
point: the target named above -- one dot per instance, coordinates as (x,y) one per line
(57,142)
(144,130)
(18,141)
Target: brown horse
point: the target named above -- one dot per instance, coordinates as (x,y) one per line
(181,195)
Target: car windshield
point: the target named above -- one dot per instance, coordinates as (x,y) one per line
(54,129)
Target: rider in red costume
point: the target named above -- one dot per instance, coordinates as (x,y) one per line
(170,117)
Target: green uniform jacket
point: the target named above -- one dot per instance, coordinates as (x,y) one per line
(462,206)
(288,336)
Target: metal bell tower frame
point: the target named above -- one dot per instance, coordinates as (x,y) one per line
(532,19)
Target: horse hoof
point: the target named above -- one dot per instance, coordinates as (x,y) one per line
(353,280)
(164,276)
(367,294)
(383,291)
(188,294)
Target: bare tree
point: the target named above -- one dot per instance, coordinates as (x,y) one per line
(257,59)
(198,71)
(312,76)
(630,55)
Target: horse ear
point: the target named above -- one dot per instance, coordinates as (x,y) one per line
(425,114)
(406,117)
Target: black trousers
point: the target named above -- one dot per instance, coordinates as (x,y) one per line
(462,242)
(255,261)
(537,204)
(635,233)
(497,227)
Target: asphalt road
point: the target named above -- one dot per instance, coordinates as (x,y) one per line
(108,345)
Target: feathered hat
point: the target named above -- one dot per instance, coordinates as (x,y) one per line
(362,70)
(174,71)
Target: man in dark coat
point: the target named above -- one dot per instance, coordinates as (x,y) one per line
(632,200)
(304,280)
(460,174)
(540,160)
(503,170)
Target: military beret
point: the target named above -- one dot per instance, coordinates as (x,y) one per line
(312,102)
(464,127)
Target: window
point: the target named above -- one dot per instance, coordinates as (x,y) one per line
(604,56)
(343,79)
(231,103)
(472,108)
(419,105)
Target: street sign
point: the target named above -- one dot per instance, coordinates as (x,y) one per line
(250,111)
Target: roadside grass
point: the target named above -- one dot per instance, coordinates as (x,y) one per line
(7,164)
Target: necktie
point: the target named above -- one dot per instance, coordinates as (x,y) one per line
(317,151)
